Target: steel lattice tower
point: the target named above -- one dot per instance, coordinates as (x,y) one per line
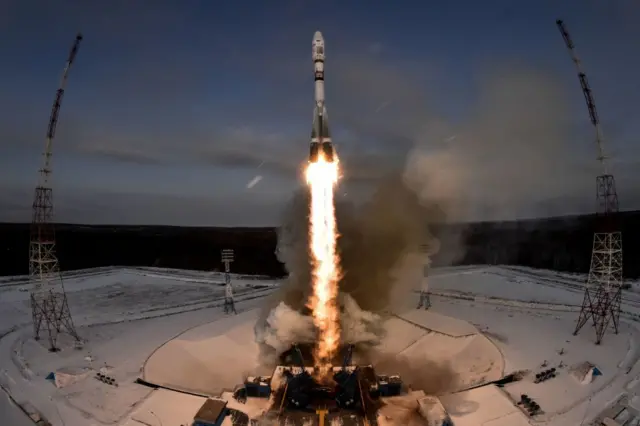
(603,290)
(49,306)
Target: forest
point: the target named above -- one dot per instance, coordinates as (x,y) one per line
(562,243)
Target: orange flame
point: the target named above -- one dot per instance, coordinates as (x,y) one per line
(322,177)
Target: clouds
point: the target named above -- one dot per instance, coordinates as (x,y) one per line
(120,153)
(513,155)
(101,206)
(516,155)
(247,147)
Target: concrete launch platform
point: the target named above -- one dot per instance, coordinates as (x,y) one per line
(216,356)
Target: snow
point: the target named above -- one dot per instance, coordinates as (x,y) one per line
(527,344)
(10,413)
(440,323)
(196,356)
(118,336)
(207,359)
(134,293)
(484,406)
(474,359)
(502,283)
(174,408)
(167,326)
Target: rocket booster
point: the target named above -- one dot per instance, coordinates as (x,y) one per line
(320,137)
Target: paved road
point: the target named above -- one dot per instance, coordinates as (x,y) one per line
(10,414)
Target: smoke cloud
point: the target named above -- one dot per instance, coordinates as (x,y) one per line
(284,326)
(519,153)
(377,245)
(500,163)
(431,377)
(381,248)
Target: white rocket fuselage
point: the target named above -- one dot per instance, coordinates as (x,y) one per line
(317,52)
(320,137)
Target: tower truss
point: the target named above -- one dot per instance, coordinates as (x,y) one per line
(603,289)
(49,305)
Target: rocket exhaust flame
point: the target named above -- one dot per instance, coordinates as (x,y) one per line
(322,177)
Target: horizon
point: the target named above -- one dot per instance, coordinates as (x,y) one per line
(446,223)
(170,113)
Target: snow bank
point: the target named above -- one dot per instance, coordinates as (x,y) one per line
(67,376)
(483,406)
(583,372)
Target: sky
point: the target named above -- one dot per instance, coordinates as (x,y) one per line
(173,107)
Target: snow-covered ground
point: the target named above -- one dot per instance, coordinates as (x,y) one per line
(113,311)
(134,320)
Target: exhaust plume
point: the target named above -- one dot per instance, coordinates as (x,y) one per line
(378,241)
(491,169)
(380,248)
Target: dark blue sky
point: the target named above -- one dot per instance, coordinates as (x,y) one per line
(172,107)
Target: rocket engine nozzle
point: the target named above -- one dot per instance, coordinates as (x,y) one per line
(324,150)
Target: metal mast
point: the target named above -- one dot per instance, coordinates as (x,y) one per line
(603,290)
(425,297)
(49,307)
(229,302)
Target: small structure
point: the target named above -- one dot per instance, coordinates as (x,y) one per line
(258,387)
(212,413)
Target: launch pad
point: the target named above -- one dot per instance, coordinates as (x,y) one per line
(294,394)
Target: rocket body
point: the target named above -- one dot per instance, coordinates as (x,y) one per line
(321,145)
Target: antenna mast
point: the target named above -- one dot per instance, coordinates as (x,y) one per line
(586,91)
(603,290)
(55,110)
(49,306)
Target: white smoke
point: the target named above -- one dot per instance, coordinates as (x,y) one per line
(358,326)
(285,326)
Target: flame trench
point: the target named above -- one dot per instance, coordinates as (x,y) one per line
(322,177)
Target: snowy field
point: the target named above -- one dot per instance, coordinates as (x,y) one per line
(115,295)
(167,327)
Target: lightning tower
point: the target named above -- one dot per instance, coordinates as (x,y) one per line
(425,298)
(229,303)
(49,306)
(603,290)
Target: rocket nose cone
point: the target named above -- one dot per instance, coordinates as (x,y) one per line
(317,37)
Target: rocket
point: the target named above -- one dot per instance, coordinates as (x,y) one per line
(320,138)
